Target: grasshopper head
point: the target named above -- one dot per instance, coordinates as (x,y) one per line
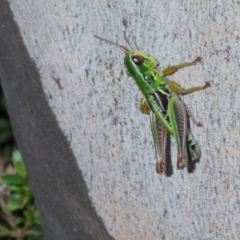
(138,62)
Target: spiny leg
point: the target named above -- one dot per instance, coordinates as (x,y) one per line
(176,88)
(190,115)
(172,69)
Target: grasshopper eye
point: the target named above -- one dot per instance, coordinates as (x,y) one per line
(138,59)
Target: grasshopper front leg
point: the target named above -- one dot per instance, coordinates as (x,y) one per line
(175,87)
(172,69)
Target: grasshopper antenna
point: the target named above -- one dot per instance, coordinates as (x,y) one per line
(125,36)
(113,43)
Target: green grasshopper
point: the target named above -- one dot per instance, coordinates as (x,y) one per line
(161,101)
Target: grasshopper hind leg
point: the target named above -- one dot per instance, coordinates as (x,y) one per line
(179,122)
(161,141)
